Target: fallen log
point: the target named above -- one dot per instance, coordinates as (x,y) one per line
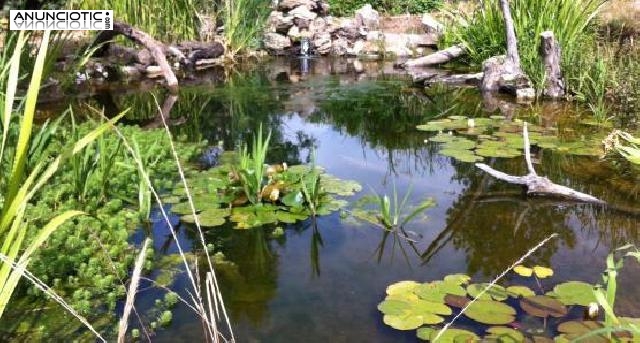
(428,78)
(537,184)
(438,57)
(155,48)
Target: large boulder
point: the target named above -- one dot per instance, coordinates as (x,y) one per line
(287,5)
(431,25)
(339,47)
(322,43)
(303,12)
(276,43)
(279,22)
(367,18)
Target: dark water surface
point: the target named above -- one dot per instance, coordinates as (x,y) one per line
(322,283)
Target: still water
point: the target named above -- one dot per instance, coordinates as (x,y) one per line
(322,281)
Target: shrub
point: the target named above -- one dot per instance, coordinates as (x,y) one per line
(348,7)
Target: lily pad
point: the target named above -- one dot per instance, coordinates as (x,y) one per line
(437,290)
(402,287)
(461,155)
(409,315)
(523,271)
(574,293)
(332,184)
(458,279)
(504,334)
(491,312)
(543,306)
(449,336)
(458,301)
(442,138)
(520,291)
(542,272)
(494,292)
(574,329)
(210,217)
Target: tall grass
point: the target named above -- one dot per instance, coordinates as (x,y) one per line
(166,20)
(19,185)
(483,33)
(243,23)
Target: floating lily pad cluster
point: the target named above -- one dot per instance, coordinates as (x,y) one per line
(473,139)
(410,305)
(218,196)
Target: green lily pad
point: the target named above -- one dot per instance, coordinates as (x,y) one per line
(458,301)
(520,291)
(543,306)
(523,271)
(402,287)
(289,217)
(437,290)
(495,292)
(574,329)
(504,334)
(449,336)
(210,217)
(332,184)
(409,315)
(442,138)
(461,155)
(491,312)
(574,293)
(542,272)
(458,279)
(459,143)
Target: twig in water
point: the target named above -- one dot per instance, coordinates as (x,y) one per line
(519,261)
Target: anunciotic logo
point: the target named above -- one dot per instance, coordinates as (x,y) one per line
(61,20)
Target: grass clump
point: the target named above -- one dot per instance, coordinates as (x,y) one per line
(348,7)
(483,31)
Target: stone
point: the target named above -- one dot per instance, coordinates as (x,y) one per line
(358,67)
(318,25)
(276,43)
(499,74)
(348,30)
(278,22)
(322,43)
(323,8)
(373,36)
(431,25)
(368,18)
(301,23)
(287,5)
(294,33)
(339,47)
(303,12)
(358,48)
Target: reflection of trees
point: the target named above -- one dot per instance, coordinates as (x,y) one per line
(494,224)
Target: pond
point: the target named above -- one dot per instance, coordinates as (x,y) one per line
(322,280)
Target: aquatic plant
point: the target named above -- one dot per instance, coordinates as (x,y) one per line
(252,167)
(20,185)
(625,144)
(389,213)
(473,139)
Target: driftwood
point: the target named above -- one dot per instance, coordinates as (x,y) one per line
(438,57)
(550,51)
(537,184)
(504,72)
(155,48)
(430,77)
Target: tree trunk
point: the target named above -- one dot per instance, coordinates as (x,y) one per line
(550,51)
(155,48)
(512,43)
(438,57)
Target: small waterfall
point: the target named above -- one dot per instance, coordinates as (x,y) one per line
(304,46)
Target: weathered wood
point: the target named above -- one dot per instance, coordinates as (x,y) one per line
(155,48)
(430,77)
(537,184)
(438,57)
(512,44)
(554,86)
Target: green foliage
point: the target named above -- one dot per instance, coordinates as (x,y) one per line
(411,305)
(166,20)
(625,144)
(497,136)
(244,21)
(252,167)
(346,8)
(483,33)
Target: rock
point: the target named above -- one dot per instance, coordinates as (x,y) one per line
(339,47)
(144,57)
(317,25)
(431,25)
(375,36)
(287,5)
(294,33)
(322,43)
(368,18)
(358,67)
(358,48)
(278,22)
(323,8)
(303,12)
(501,75)
(301,23)
(276,43)
(348,30)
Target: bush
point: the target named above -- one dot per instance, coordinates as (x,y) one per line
(345,8)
